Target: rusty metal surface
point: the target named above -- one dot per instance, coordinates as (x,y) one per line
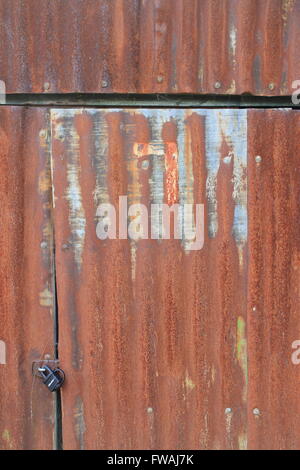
(163,347)
(150,46)
(274,279)
(26,304)
(153,335)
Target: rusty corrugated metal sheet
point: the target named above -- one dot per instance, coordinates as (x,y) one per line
(26,301)
(153,335)
(163,347)
(166,347)
(150,46)
(274,279)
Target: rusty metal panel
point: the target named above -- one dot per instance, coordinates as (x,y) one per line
(273,294)
(153,334)
(150,46)
(26,295)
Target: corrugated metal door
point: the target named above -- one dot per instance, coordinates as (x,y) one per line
(154,336)
(167,347)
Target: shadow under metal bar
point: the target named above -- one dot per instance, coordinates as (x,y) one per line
(132,100)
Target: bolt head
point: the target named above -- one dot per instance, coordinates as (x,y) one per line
(256,411)
(145,164)
(104,84)
(258,159)
(217,85)
(228,411)
(46,86)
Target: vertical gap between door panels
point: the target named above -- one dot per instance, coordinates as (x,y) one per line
(58,431)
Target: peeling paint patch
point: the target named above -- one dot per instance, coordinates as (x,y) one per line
(232,88)
(189,384)
(241,344)
(44,181)
(100,158)
(234,129)
(7,439)
(171,173)
(79,422)
(228,420)
(232,42)
(287,8)
(243,442)
(73,195)
(133,249)
(46,298)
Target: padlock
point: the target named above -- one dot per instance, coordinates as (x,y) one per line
(53,379)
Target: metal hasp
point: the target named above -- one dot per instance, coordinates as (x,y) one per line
(53,379)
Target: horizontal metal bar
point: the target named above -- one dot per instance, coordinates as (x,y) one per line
(131,100)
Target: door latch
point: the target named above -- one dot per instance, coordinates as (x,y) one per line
(52,378)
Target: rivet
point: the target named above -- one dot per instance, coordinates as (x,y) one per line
(149,410)
(254,309)
(44,244)
(258,159)
(46,86)
(42,133)
(256,411)
(104,83)
(228,411)
(145,164)
(160,79)
(217,85)
(271,86)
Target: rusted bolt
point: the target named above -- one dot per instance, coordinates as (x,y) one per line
(217,85)
(44,244)
(256,411)
(258,159)
(145,164)
(104,83)
(228,411)
(271,86)
(160,79)
(46,86)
